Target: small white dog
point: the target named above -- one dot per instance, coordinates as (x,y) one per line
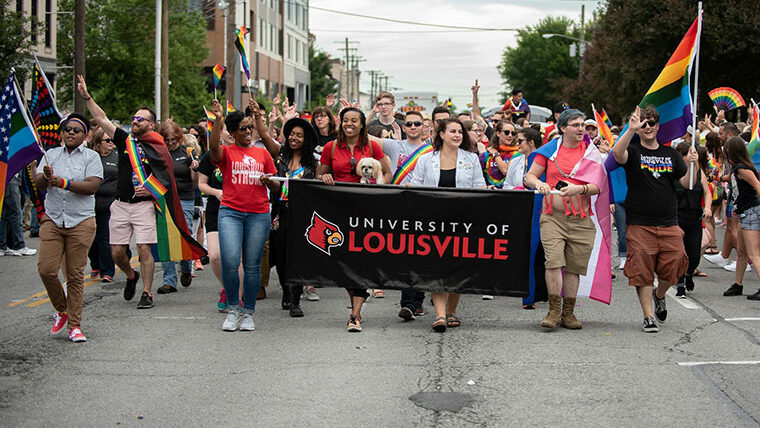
(369,169)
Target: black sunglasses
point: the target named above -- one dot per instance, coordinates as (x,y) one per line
(650,122)
(107,140)
(415,123)
(246,127)
(512,133)
(73,129)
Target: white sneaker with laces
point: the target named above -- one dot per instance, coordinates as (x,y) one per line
(310,295)
(246,323)
(232,320)
(717,259)
(75,335)
(10,252)
(622,263)
(732,267)
(26,251)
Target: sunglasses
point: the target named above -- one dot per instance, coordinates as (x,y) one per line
(107,140)
(73,129)
(139,119)
(512,133)
(410,124)
(521,140)
(246,127)
(651,123)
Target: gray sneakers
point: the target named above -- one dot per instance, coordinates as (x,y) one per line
(246,323)
(232,320)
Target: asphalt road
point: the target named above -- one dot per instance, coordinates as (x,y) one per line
(173,366)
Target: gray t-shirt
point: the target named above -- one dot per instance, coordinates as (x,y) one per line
(398,151)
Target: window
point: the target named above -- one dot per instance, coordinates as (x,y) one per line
(305,54)
(298,51)
(298,15)
(208,10)
(35,25)
(290,11)
(49,23)
(20,6)
(261,41)
(271,37)
(305,22)
(290,47)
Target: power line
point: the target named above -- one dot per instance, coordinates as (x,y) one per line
(400,21)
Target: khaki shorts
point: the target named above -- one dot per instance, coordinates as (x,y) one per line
(138,218)
(568,241)
(654,249)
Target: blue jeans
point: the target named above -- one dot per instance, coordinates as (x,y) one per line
(100,251)
(186,266)
(620,223)
(246,234)
(11,233)
(412,299)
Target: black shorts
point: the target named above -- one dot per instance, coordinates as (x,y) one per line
(212,216)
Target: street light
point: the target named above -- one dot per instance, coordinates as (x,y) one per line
(550,35)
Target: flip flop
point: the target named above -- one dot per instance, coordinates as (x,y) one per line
(712,250)
(699,273)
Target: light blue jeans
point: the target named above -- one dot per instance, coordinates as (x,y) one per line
(621,228)
(246,234)
(186,266)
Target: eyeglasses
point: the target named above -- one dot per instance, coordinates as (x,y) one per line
(512,133)
(73,129)
(650,122)
(384,104)
(107,140)
(140,119)
(476,130)
(415,123)
(246,127)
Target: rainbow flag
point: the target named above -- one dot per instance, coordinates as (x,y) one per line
(604,129)
(606,119)
(754,139)
(230,107)
(19,143)
(405,168)
(217,71)
(240,45)
(670,93)
(727,98)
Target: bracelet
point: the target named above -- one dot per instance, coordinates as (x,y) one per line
(64,184)
(585,189)
(87,98)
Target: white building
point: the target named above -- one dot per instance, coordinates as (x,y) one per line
(297,78)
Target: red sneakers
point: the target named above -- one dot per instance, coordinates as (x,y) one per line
(59,322)
(75,335)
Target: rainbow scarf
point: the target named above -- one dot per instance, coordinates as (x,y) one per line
(156,189)
(405,168)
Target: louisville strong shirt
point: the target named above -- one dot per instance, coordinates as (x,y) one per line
(651,176)
(241,168)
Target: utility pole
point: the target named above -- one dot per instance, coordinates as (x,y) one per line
(347,50)
(164,59)
(157,62)
(79,56)
(582,46)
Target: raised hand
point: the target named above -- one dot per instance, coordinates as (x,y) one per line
(635,122)
(82,87)
(217,109)
(396,134)
(475,88)
(276,100)
(290,113)
(330,101)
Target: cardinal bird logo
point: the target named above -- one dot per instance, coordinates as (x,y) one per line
(323,234)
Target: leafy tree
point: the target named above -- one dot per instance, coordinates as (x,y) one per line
(120,47)
(16,36)
(536,64)
(633,41)
(322,82)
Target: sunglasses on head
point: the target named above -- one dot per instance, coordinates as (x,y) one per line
(139,119)
(650,123)
(72,129)
(415,123)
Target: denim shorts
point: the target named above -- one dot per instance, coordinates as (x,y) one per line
(750,219)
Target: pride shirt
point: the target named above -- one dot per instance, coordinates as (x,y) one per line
(241,168)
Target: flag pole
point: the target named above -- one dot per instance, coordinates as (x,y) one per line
(696,86)
(29,113)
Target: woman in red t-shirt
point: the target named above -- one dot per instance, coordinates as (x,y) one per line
(338,163)
(243,219)
(567,232)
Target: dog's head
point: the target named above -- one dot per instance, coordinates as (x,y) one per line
(368,168)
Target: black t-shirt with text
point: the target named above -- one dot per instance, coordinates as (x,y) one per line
(652,176)
(125,191)
(182,175)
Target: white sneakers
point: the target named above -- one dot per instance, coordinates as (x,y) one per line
(26,251)
(237,320)
(717,259)
(622,263)
(731,267)
(246,323)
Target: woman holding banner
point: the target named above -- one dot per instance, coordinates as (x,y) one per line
(567,231)
(244,212)
(338,163)
(448,165)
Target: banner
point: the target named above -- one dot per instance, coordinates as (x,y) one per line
(433,239)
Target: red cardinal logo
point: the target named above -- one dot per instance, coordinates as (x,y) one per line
(323,234)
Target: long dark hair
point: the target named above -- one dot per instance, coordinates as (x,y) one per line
(702,160)
(442,125)
(363,139)
(712,142)
(307,150)
(331,119)
(494,142)
(736,153)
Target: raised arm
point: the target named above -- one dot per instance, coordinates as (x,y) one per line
(273,147)
(97,113)
(475,106)
(216,132)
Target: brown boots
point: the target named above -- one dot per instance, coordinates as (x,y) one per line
(561,313)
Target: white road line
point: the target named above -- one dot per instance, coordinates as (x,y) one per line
(743,319)
(172,318)
(715,363)
(686,303)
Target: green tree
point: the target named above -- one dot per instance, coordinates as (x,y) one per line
(537,64)
(633,41)
(322,83)
(120,47)
(16,36)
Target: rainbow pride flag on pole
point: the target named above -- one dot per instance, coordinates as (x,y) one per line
(606,118)
(230,107)
(604,129)
(754,139)
(218,70)
(669,93)
(240,45)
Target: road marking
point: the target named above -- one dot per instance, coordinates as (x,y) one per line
(173,318)
(44,292)
(686,303)
(717,363)
(743,319)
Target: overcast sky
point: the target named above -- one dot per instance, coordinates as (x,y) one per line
(447,62)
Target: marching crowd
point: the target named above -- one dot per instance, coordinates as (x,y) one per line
(665,211)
